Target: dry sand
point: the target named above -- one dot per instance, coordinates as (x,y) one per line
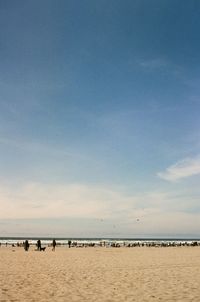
(100,274)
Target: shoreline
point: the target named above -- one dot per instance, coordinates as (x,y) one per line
(102,243)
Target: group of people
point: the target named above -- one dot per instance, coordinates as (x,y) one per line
(39,245)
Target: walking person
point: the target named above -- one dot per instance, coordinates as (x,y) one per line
(54,245)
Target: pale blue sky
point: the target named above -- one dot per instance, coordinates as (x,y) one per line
(99,117)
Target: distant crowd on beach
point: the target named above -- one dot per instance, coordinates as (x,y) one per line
(39,247)
(116,244)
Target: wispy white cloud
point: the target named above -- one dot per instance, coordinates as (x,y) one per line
(153,63)
(160,64)
(39,200)
(182,169)
(36,200)
(34,146)
(93,210)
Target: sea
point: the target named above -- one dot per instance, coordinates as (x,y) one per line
(108,242)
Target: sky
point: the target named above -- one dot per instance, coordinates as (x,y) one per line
(99,118)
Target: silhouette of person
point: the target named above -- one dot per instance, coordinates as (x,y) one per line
(53,244)
(69,243)
(26,245)
(39,245)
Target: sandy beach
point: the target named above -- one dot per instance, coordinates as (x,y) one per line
(100,274)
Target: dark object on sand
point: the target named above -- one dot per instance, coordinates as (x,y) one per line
(38,244)
(26,245)
(54,245)
(194,243)
(69,243)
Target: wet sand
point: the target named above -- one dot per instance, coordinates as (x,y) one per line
(100,274)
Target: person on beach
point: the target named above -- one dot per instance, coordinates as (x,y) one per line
(26,245)
(54,245)
(69,243)
(38,245)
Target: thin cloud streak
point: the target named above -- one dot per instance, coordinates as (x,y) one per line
(182,169)
(36,200)
(153,63)
(40,147)
(160,64)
